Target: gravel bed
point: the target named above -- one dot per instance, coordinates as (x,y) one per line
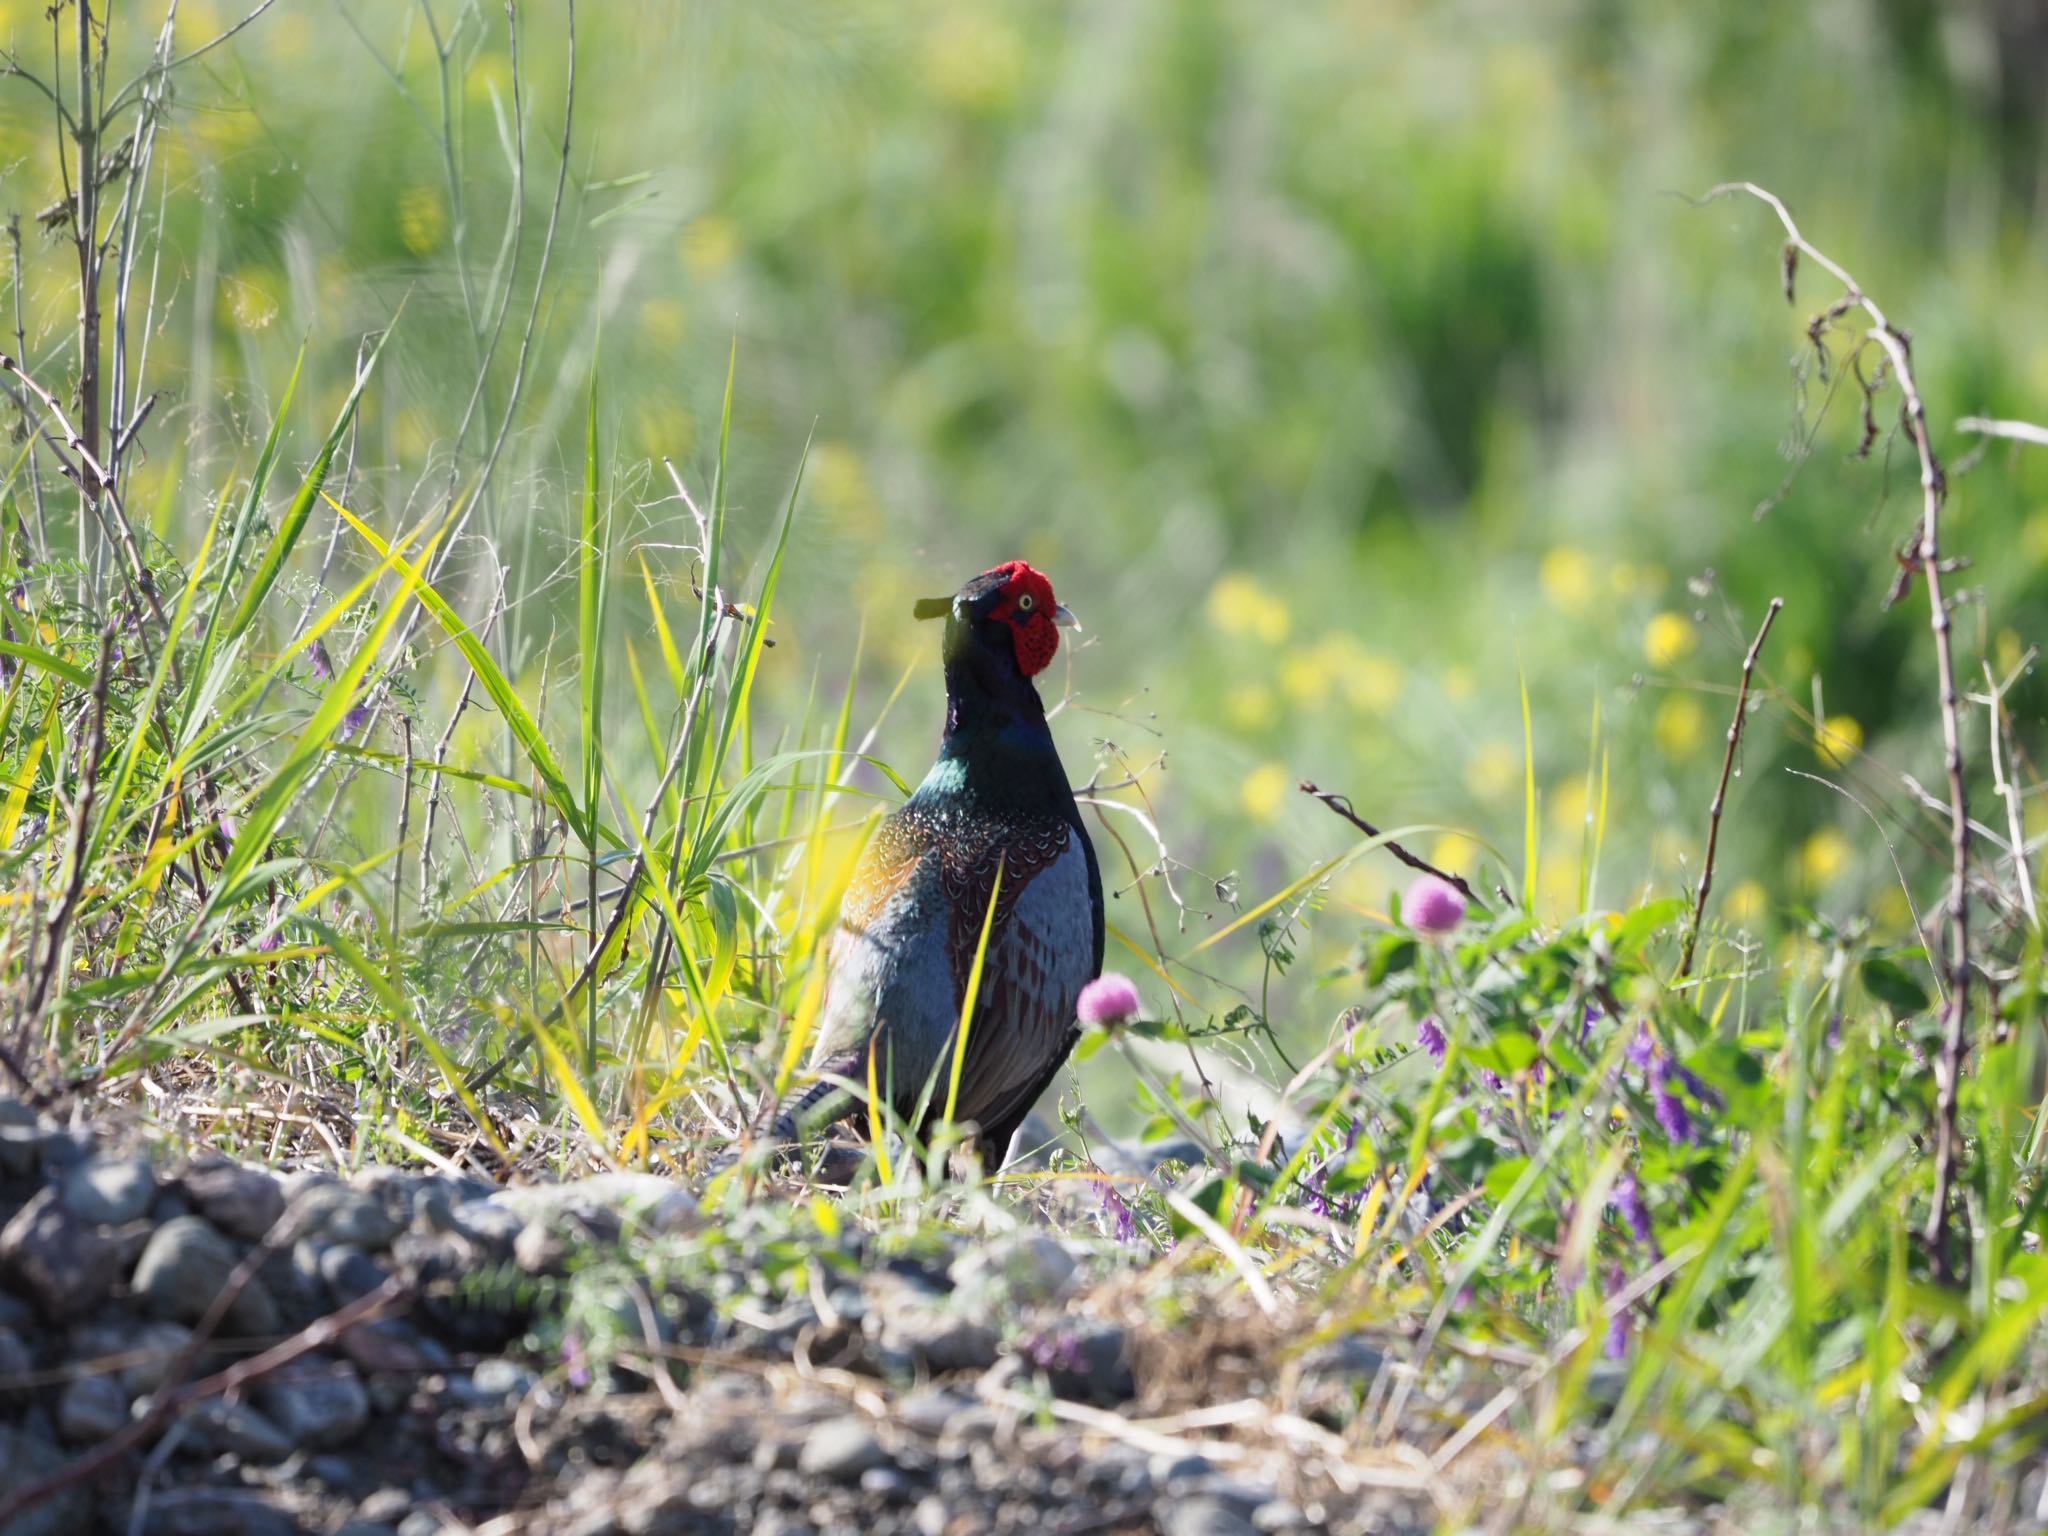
(194,1347)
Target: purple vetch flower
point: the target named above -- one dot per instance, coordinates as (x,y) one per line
(578,1367)
(1433,905)
(1671,1111)
(1628,1199)
(1708,1099)
(1586,1026)
(1617,1327)
(1109,1000)
(1642,1048)
(356,720)
(1123,1225)
(1054,1351)
(271,941)
(322,663)
(1430,1036)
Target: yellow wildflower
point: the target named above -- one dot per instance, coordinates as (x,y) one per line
(1669,639)
(1825,856)
(422,219)
(1837,739)
(1748,904)
(1566,575)
(1240,607)
(1251,707)
(1680,725)
(1266,790)
(1455,852)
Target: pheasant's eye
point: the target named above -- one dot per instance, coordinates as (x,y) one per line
(1026,603)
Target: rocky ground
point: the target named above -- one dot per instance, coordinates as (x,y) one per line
(194,1347)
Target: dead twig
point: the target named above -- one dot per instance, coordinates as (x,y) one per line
(1342,806)
(1925,557)
(1699,901)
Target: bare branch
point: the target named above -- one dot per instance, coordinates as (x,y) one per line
(1925,557)
(1699,902)
(1342,806)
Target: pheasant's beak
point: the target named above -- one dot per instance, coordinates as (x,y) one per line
(932,608)
(1065,615)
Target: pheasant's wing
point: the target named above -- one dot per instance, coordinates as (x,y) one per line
(1039,959)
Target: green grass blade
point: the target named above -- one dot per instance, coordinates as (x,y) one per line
(972,996)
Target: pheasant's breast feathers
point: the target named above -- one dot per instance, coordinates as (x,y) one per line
(947,856)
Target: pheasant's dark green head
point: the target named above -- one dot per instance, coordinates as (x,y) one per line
(1008,614)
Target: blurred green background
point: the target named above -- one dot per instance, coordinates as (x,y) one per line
(1342,364)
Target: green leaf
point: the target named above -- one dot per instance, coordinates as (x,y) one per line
(1510,1051)
(506,697)
(1502,1177)
(1648,920)
(1894,986)
(1395,952)
(294,521)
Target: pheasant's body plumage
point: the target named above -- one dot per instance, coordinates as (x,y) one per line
(997,799)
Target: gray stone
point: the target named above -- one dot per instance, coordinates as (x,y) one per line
(237,1429)
(1092,1364)
(385,1506)
(541,1249)
(884,1483)
(318,1403)
(1333,1378)
(1239,1494)
(930,1517)
(299,1180)
(149,1355)
(69,1146)
(16,1366)
(491,1226)
(367,1528)
(931,1411)
(495,1379)
(1277,1515)
(92,1409)
(644,1200)
(349,1274)
(1026,1267)
(1202,1516)
(65,1265)
(938,1336)
(26,1458)
(344,1215)
(205,1511)
(21,1139)
(421,1522)
(841,1450)
(109,1190)
(775,1455)
(186,1266)
(393,1345)
(242,1202)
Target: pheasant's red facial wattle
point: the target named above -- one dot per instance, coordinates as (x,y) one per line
(1027,605)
